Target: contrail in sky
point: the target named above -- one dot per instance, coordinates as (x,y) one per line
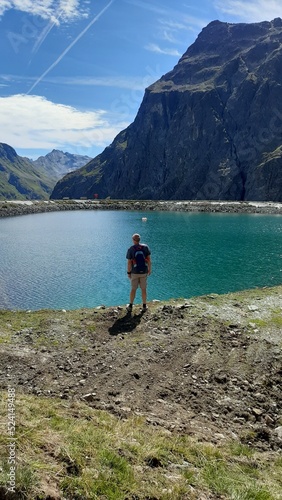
(70,47)
(44,34)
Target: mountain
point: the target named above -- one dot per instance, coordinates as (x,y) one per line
(24,179)
(19,179)
(209,129)
(57,164)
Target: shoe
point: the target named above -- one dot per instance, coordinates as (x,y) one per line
(129,308)
(144,308)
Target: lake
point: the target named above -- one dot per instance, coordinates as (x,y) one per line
(69,260)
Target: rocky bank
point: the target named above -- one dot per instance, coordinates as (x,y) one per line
(14,208)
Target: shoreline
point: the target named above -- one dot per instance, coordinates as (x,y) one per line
(26,207)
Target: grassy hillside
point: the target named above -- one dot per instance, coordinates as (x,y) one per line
(19,179)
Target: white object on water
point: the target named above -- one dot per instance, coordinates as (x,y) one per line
(144,219)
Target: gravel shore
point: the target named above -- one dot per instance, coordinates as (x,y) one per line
(16,207)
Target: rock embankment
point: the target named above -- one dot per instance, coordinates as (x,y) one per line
(15,208)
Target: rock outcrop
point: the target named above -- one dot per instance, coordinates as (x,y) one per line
(209,129)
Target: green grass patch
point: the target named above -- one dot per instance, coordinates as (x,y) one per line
(85,453)
(274,320)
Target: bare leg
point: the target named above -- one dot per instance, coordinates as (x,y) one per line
(132,296)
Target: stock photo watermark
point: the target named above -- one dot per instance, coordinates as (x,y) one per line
(30,30)
(10,459)
(248,149)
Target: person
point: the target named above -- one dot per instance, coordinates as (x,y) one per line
(138,268)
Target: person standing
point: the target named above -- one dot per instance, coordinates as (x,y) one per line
(139,266)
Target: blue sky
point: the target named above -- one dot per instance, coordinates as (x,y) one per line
(73,72)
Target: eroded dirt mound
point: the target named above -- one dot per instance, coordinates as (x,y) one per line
(210,366)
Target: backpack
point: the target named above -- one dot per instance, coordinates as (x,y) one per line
(139,260)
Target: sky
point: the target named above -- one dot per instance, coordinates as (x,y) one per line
(73,72)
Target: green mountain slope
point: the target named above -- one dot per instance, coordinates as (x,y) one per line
(19,179)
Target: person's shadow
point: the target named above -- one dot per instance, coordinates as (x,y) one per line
(126,324)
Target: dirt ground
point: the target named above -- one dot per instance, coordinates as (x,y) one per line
(209,366)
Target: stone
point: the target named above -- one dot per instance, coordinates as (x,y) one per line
(278,432)
(89,397)
(257,412)
(220,378)
(268,420)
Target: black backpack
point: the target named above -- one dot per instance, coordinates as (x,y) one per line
(139,261)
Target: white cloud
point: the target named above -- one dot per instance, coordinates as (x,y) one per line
(147,6)
(153,47)
(128,82)
(173,31)
(168,36)
(65,10)
(172,24)
(122,82)
(251,10)
(33,122)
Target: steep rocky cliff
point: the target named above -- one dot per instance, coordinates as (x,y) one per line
(209,129)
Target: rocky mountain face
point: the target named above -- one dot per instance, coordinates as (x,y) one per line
(209,129)
(19,179)
(56,164)
(24,179)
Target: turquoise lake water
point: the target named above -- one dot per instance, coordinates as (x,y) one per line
(68,260)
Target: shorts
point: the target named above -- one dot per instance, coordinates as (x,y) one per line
(138,279)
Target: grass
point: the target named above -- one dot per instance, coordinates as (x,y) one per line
(45,326)
(275,320)
(85,453)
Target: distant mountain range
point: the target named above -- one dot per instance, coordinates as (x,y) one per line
(57,164)
(209,129)
(25,179)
